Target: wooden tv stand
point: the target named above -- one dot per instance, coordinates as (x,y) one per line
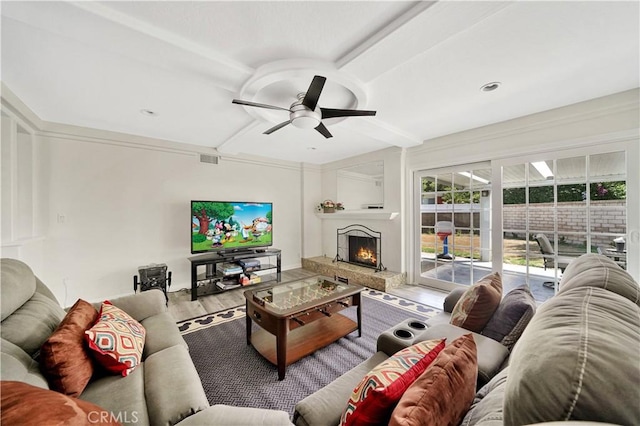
(212,275)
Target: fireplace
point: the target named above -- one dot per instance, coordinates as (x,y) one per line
(362,251)
(361,246)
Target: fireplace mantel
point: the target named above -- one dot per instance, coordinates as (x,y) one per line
(372,214)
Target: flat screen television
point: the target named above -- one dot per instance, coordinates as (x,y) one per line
(230,225)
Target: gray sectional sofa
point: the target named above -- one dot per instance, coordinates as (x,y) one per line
(164,390)
(578,359)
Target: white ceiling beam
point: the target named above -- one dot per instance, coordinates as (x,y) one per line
(419,29)
(227,147)
(161,34)
(377,129)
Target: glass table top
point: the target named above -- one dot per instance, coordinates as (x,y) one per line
(295,294)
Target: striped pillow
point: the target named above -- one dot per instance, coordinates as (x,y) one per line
(373,400)
(116,340)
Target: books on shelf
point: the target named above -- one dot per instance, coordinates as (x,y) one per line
(227,285)
(254,278)
(230,268)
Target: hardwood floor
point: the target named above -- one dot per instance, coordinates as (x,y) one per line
(182,308)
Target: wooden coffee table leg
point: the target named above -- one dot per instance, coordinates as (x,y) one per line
(249,321)
(281,346)
(357,299)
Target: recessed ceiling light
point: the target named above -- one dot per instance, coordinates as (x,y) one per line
(148,113)
(490,87)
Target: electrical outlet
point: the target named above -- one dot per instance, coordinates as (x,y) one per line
(61,218)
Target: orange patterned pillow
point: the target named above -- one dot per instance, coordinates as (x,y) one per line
(116,339)
(372,401)
(476,306)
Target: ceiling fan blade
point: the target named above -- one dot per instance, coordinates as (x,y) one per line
(254,104)
(313,93)
(324,131)
(276,127)
(333,113)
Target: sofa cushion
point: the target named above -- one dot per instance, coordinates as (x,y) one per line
(478,303)
(228,415)
(444,392)
(162,333)
(32,323)
(123,396)
(18,285)
(64,357)
(17,365)
(172,386)
(577,360)
(486,409)
(512,316)
(116,340)
(325,406)
(596,270)
(379,390)
(26,404)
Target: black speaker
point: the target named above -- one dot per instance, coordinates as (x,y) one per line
(153,276)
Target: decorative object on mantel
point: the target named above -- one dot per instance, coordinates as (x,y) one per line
(339,206)
(328,206)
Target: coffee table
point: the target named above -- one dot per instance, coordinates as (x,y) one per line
(299,317)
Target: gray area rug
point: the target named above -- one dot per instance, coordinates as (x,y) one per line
(234,373)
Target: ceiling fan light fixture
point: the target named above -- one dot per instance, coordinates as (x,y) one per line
(303,118)
(305,122)
(490,87)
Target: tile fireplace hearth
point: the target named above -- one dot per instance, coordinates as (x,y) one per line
(368,277)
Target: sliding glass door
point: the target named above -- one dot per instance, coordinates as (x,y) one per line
(553,210)
(455,225)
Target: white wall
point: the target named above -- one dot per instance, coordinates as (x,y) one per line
(311,224)
(111,206)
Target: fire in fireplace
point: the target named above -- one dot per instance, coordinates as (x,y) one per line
(360,245)
(362,250)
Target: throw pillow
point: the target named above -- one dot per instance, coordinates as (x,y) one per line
(116,339)
(26,404)
(512,316)
(476,306)
(377,393)
(445,391)
(64,358)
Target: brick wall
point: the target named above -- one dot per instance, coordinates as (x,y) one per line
(606,217)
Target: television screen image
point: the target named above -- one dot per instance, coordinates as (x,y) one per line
(230,225)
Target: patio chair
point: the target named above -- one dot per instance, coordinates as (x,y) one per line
(550,258)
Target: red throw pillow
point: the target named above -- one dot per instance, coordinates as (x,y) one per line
(372,401)
(444,392)
(64,357)
(116,340)
(24,404)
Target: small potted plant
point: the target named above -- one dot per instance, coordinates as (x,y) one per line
(328,206)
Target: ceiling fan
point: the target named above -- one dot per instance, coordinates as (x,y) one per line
(305,113)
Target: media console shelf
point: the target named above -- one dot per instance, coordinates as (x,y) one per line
(211,277)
